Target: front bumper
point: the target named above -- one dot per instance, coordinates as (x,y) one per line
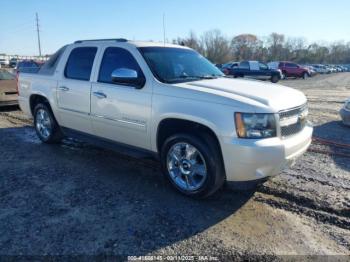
(345,116)
(247,159)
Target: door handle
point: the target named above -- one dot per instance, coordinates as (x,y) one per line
(63,88)
(100,95)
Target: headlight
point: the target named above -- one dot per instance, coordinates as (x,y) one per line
(347,105)
(249,125)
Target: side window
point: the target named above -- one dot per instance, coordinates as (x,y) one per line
(79,64)
(290,65)
(50,66)
(116,58)
(244,65)
(263,66)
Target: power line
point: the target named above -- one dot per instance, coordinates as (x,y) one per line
(38,32)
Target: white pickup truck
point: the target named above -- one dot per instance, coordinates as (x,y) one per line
(170,101)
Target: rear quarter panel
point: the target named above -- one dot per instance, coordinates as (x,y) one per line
(34,84)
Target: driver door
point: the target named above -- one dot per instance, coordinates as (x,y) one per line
(121,112)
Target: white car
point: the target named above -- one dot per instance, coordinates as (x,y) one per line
(172,102)
(321,69)
(4,62)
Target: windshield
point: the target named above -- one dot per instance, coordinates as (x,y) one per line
(176,65)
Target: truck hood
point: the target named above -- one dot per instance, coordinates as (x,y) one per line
(276,97)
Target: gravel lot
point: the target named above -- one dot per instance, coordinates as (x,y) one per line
(76,199)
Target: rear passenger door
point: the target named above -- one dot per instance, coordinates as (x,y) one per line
(243,69)
(73,90)
(292,69)
(265,71)
(121,113)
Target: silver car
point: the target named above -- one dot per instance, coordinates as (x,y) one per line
(345,113)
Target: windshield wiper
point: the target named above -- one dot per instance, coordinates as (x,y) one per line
(200,77)
(192,78)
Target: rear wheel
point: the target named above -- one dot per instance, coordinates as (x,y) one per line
(275,78)
(46,125)
(193,165)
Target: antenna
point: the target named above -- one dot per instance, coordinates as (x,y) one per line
(164,34)
(38,32)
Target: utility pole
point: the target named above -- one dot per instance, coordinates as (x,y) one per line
(38,32)
(164,35)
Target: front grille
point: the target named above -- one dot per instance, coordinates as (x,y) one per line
(293,121)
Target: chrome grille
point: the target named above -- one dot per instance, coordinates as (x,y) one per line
(292,121)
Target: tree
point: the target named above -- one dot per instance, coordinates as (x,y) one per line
(276,46)
(246,46)
(216,46)
(191,41)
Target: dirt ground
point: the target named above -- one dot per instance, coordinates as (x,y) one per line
(76,199)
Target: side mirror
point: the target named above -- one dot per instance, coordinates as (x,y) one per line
(129,77)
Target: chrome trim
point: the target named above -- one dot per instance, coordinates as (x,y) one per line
(293,108)
(74,111)
(292,121)
(63,88)
(99,94)
(119,120)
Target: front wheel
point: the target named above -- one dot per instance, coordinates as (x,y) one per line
(45,124)
(193,165)
(305,75)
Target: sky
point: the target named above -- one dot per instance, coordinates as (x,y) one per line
(64,21)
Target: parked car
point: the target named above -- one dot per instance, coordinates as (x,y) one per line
(321,69)
(4,62)
(290,69)
(218,66)
(13,62)
(345,113)
(332,68)
(8,89)
(28,66)
(225,68)
(340,68)
(254,69)
(311,69)
(170,101)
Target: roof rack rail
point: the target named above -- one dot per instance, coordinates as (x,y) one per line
(94,40)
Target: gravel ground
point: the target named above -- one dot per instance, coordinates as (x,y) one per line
(77,199)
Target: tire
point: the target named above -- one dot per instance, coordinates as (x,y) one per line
(45,124)
(207,160)
(275,79)
(284,75)
(305,75)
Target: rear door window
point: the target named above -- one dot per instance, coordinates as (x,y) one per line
(263,66)
(290,65)
(244,65)
(50,66)
(80,62)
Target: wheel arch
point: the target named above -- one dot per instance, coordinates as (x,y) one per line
(34,99)
(171,125)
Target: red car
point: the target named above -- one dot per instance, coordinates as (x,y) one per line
(290,69)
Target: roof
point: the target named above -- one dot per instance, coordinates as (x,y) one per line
(134,43)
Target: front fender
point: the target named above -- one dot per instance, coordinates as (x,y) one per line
(217,117)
